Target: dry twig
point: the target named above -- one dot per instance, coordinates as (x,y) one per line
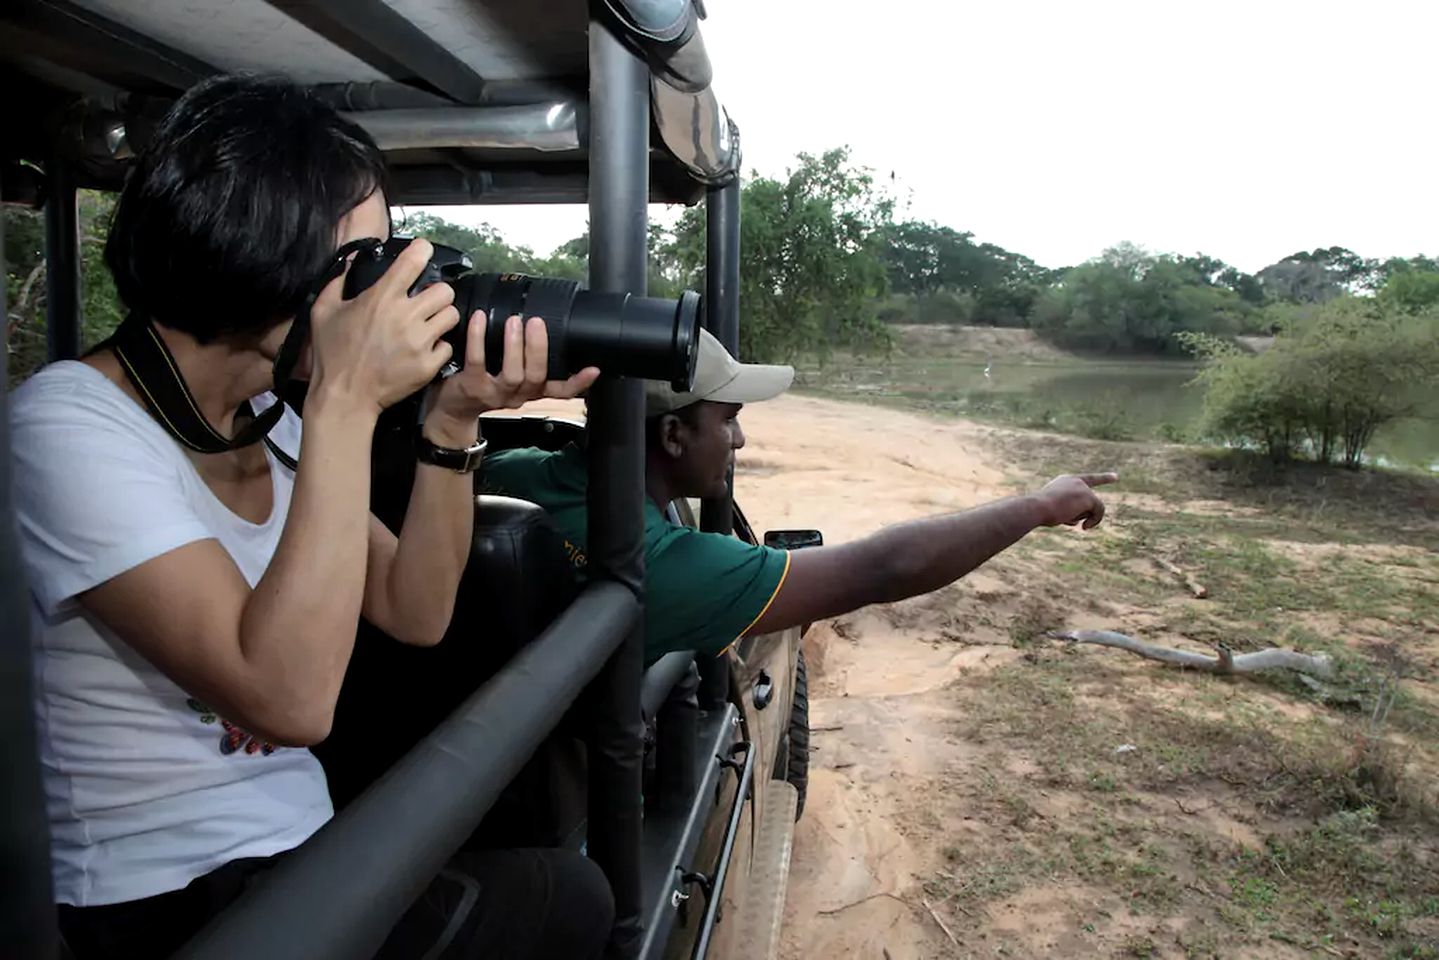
(1195,587)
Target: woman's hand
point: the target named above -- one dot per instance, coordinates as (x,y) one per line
(473,390)
(383,345)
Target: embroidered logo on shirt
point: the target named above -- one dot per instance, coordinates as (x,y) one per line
(233,739)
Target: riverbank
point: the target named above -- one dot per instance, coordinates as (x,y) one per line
(981,790)
(1014,378)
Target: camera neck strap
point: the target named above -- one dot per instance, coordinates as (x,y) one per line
(152,371)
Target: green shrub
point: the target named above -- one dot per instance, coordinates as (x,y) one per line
(1332,378)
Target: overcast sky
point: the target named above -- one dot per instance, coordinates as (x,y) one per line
(1243,130)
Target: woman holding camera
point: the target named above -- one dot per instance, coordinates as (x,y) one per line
(198,610)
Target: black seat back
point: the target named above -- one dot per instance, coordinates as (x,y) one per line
(516,582)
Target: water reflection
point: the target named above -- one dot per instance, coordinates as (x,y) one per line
(1142,400)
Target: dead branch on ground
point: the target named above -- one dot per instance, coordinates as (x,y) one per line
(1225,660)
(1199,590)
(942,925)
(873,896)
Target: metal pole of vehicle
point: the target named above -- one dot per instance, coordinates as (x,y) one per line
(619,193)
(62,263)
(722,320)
(722,310)
(27,911)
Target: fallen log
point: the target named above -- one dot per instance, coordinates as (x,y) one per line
(1225,660)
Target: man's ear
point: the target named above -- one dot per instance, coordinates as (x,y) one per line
(672,439)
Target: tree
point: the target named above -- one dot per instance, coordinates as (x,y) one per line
(1320,275)
(1130,300)
(1411,288)
(810,266)
(1333,377)
(100,307)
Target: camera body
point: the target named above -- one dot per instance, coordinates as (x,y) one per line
(647,337)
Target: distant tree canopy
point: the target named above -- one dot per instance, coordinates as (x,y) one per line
(1335,374)
(811,267)
(825,264)
(25,292)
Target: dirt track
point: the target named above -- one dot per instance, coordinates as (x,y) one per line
(850,470)
(977,790)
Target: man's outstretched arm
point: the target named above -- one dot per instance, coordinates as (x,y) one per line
(912,558)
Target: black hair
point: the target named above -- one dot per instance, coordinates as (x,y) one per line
(228,217)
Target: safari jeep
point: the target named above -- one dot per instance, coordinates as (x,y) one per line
(682,781)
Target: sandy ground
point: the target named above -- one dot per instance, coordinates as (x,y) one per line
(903,788)
(876,702)
(848,470)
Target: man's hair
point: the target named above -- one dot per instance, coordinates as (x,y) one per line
(228,217)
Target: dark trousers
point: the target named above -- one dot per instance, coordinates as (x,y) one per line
(500,904)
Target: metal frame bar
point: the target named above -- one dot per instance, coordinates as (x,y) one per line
(27,911)
(717,882)
(339,894)
(97,46)
(62,263)
(673,835)
(722,312)
(619,192)
(722,213)
(377,34)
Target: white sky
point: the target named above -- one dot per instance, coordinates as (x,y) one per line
(1245,130)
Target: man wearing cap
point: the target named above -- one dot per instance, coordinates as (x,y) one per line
(704,591)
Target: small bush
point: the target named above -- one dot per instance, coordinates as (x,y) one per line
(1332,378)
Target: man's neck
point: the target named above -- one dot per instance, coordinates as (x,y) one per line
(657,484)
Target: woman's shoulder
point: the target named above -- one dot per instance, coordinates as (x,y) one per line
(70,400)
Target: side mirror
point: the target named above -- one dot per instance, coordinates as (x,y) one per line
(793,539)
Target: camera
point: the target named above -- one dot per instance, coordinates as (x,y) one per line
(648,337)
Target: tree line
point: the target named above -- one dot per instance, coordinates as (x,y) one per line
(826,263)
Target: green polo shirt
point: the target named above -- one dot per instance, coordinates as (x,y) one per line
(703,591)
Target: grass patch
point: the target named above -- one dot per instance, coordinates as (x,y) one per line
(1344,852)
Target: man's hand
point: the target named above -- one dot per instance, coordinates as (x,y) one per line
(1068,500)
(473,390)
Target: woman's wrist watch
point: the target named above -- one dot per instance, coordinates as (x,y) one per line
(458,459)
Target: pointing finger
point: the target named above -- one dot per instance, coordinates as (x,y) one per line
(1099,479)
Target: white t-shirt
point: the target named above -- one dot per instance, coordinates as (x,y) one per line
(146,788)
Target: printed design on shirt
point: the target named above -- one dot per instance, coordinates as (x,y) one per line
(233,739)
(576,555)
(573,553)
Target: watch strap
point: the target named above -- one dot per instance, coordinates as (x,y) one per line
(458,459)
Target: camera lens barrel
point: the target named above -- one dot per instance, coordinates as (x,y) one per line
(648,337)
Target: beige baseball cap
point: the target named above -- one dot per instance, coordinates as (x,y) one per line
(721,378)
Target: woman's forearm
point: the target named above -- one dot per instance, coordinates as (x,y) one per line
(434,543)
(297,630)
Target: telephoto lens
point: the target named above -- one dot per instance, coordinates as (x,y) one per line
(648,337)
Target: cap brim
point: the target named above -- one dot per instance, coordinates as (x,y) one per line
(753,383)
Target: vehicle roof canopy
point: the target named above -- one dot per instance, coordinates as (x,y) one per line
(474,101)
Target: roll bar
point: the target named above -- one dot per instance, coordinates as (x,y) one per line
(27,911)
(388,843)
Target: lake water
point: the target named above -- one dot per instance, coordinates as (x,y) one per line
(1137,399)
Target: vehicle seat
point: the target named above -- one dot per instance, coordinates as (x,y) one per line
(516,582)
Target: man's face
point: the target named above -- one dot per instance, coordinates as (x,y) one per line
(370,218)
(707,440)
